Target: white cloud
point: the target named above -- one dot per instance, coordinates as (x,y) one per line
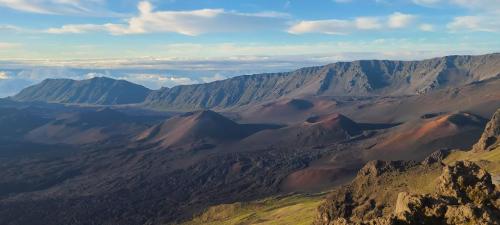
(157,81)
(94,74)
(322,26)
(230,57)
(485,16)
(426,27)
(367,23)
(81,7)
(474,23)
(482,5)
(400,20)
(3,75)
(213,78)
(76,29)
(342,27)
(191,23)
(478,5)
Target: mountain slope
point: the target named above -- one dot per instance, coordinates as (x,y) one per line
(317,131)
(201,129)
(358,78)
(15,122)
(97,91)
(415,140)
(87,127)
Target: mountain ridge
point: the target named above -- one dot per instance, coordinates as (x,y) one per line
(94,91)
(354,78)
(357,78)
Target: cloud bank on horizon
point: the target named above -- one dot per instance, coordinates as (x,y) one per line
(212,40)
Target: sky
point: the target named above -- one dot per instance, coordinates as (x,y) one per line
(171,42)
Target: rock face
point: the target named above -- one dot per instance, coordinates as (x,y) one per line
(357,201)
(95,91)
(378,167)
(491,135)
(464,195)
(358,78)
(467,183)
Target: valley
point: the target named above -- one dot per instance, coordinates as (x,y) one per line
(339,141)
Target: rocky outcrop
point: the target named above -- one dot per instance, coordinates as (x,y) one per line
(467,183)
(490,139)
(378,167)
(464,195)
(436,157)
(358,201)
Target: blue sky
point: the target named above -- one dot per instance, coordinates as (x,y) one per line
(207,36)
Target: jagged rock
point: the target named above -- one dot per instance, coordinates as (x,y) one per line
(469,213)
(377,167)
(464,195)
(342,208)
(419,209)
(491,135)
(353,200)
(436,157)
(466,182)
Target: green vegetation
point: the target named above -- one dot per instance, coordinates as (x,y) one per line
(489,160)
(293,209)
(422,181)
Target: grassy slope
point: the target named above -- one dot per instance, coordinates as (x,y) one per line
(302,209)
(293,209)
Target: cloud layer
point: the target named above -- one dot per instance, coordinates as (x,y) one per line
(191,23)
(483,14)
(396,20)
(79,7)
